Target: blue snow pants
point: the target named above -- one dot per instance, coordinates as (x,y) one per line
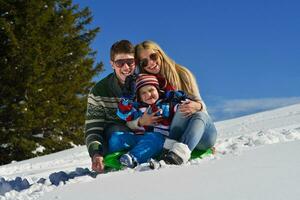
(141,146)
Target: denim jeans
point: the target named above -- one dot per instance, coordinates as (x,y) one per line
(141,147)
(196,131)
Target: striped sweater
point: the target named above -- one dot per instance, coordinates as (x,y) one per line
(101,110)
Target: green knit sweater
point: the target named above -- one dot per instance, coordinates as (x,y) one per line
(101,109)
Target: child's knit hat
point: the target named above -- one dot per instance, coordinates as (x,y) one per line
(146,79)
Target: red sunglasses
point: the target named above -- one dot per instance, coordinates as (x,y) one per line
(121,62)
(144,62)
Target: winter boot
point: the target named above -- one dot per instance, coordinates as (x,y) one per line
(168,144)
(128,160)
(172,158)
(179,154)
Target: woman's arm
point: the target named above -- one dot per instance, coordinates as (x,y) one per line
(190,107)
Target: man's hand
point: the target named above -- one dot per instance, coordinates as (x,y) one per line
(187,108)
(97,163)
(149,119)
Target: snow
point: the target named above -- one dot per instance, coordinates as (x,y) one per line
(39,149)
(257,158)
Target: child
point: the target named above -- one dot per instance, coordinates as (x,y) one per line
(155,109)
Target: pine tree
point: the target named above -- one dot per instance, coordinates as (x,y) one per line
(46,71)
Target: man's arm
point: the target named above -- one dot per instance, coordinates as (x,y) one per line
(94,125)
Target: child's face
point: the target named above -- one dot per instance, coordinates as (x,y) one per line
(148,94)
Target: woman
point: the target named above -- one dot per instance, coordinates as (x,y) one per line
(191,127)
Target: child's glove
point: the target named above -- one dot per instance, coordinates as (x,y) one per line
(124,111)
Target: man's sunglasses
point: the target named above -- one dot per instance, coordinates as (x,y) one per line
(144,62)
(121,62)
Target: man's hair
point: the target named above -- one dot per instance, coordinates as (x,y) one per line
(122,46)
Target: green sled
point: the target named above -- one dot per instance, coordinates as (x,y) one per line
(112,162)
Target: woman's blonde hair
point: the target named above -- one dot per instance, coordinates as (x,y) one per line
(176,75)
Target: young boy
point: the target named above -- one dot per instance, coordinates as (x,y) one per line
(155,109)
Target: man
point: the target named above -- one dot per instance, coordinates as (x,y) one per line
(101,118)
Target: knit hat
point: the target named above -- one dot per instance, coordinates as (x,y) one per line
(146,79)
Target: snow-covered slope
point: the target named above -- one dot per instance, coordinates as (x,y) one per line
(257,158)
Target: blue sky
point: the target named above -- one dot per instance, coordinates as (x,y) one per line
(245,55)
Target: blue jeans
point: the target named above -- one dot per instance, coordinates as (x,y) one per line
(196,131)
(141,147)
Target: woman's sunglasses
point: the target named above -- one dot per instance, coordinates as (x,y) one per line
(121,62)
(144,62)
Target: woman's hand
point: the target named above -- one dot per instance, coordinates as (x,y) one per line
(97,163)
(188,107)
(149,119)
